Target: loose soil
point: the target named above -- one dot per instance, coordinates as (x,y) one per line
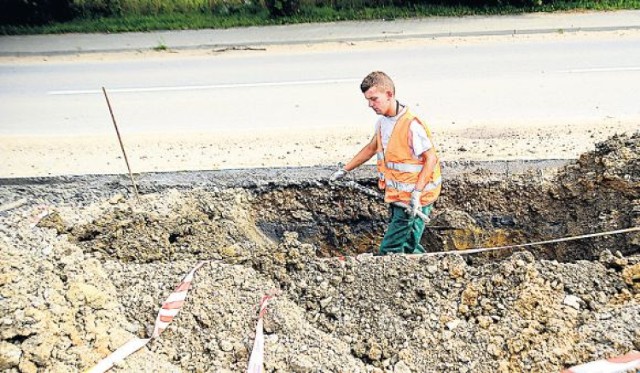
(85,268)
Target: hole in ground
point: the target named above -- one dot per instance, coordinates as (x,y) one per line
(477,208)
(480,209)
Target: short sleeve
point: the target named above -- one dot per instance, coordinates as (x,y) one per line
(420,141)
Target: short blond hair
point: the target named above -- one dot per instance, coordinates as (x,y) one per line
(377,79)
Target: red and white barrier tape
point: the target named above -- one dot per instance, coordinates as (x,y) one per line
(624,363)
(172,305)
(256,361)
(168,311)
(38,213)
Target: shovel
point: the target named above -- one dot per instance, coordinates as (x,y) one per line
(370,192)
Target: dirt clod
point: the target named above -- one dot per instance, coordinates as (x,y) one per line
(92,273)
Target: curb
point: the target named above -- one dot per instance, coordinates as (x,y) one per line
(70,44)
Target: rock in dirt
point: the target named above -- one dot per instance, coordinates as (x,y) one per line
(93,273)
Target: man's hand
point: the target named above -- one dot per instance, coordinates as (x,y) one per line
(338,174)
(414,205)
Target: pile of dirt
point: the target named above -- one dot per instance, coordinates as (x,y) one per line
(599,192)
(92,273)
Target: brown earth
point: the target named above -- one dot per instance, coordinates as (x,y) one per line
(92,273)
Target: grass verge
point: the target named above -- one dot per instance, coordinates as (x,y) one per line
(194,21)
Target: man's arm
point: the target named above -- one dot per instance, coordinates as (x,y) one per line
(363,155)
(430,159)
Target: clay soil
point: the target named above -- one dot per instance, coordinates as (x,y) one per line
(85,267)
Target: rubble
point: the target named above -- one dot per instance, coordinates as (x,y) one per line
(92,273)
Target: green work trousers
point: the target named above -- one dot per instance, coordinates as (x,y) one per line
(404,232)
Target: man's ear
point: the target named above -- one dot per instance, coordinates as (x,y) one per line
(389,93)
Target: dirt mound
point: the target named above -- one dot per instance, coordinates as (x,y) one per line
(93,272)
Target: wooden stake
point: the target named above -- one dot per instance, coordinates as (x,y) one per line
(113,118)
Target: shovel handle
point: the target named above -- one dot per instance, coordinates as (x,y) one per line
(420,214)
(373,193)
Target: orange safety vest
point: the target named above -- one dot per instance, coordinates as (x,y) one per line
(398,170)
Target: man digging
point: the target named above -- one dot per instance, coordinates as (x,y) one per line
(408,165)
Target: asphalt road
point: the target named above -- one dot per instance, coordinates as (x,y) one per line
(560,80)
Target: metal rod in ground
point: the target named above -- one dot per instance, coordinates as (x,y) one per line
(124,153)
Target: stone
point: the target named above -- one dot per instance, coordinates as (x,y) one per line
(572,301)
(485,321)
(494,350)
(9,355)
(302,364)
(401,367)
(631,275)
(374,353)
(79,293)
(117,198)
(226,345)
(325,302)
(453,324)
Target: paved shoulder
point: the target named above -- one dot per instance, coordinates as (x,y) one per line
(325,32)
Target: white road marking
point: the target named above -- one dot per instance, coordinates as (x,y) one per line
(601,69)
(203,87)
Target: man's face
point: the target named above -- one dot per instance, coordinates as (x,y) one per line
(379,99)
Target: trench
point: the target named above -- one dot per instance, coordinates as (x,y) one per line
(479,208)
(543,309)
(474,211)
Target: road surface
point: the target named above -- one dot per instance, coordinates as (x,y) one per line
(454,83)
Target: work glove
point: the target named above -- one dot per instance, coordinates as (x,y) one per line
(414,205)
(338,174)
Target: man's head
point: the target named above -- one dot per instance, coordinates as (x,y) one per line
(380,92)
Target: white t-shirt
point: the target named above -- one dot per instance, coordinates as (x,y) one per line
(420,141)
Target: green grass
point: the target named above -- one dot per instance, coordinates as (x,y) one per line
(182,21)
(162,46)
(177,21)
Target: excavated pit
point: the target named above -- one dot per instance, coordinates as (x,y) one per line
(89,275)
(477,209)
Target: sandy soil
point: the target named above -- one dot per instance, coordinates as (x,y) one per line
(26,156)
(89,276)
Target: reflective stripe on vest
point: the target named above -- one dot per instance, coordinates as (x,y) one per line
(407,187)
(380,176)
(433,185)
(399,166)
(404,167)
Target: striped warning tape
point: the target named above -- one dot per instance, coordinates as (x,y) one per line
(563,239)
(167,312)
(172,305)
(484,249)
(371,192)
(625,363)
(256,361)
(38,213)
